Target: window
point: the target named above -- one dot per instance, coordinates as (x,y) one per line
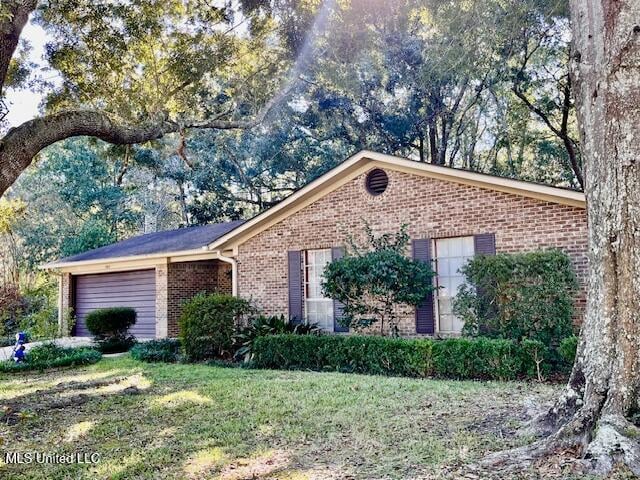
(451,254)
(318,309)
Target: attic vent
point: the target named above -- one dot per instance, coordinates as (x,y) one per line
(377,181)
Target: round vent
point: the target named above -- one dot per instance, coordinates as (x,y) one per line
(377,181)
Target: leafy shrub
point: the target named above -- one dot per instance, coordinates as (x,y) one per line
(519,296)
(166,350)
(207,325)
(372,280)
(109,322)
(109,327)
(116,344)
(481,358)
(50,355)
(263,325)
(42,324)
(568,348)
(460,358)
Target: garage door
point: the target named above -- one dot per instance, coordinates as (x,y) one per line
(135,289)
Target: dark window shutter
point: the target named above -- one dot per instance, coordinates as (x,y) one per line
(295,286)
(484,244)
(337,252)
(425,317)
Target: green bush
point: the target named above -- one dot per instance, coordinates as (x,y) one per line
(371,281)
(263,325)
(116,344)
(109,327)
(50,355)
(459,358)
(166,350)
(518,296)
(481,358)
(207,325)
(568,348)
(110,322)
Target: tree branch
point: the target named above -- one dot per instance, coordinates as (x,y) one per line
(14,15)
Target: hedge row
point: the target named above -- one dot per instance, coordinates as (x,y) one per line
(50,355)
(457,358)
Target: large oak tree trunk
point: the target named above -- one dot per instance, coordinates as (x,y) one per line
(596,411)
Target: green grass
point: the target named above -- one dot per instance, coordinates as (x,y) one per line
(197,421)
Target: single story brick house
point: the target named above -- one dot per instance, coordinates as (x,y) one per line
(276,258)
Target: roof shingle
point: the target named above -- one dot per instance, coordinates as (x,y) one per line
(189,238)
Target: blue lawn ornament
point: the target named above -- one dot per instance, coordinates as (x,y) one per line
(19,348)
(19,354)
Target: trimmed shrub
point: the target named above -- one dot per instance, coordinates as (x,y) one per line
(166,350)
(459,358)
(117,344)
(263,325)
(50,355)
(207,325)
(110,322)
(518,296)
(481,358)
(109,327)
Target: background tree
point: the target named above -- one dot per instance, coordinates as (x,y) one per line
(134,72)
(598,412)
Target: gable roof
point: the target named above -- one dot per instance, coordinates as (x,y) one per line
(364,161)
(169,241)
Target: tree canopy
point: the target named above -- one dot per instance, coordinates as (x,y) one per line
(217,111)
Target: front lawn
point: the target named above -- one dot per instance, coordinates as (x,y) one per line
(196,421)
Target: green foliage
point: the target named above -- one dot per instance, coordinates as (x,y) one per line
(166,350)
(115,344)
(518,296)
(207,325)
(263,325)
(372,281)
(568,348)
(458,358)
(481,358)
(109,327)
(42,324)
(50,355)
(110,322)
(31,309)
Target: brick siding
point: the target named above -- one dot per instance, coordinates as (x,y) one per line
(186,279)
(432,208)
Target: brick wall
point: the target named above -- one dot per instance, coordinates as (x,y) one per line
(432,208)
(65,305)
(186,279)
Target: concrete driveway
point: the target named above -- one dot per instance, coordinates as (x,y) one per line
(5,352)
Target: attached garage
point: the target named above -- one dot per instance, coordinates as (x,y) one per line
(135,289)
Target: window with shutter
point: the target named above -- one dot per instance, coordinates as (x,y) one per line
(450,255)
(318,308)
